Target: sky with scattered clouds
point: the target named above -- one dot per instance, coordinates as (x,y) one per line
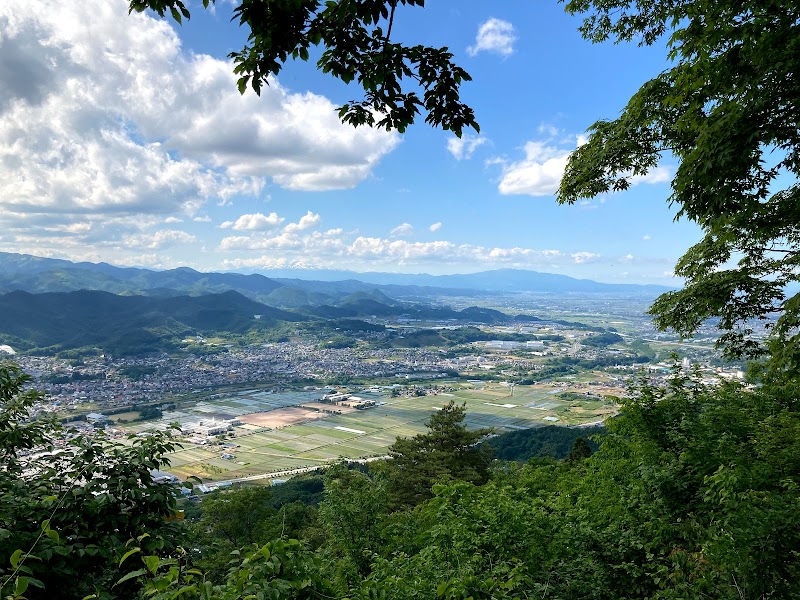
(123,139)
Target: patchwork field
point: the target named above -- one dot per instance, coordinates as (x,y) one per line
(278,433)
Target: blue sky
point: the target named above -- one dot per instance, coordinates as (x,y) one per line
(123,139)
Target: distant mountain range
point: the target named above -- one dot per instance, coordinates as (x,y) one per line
(51,305)
(37,275)
(499,280)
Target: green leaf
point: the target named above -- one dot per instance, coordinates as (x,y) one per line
(128,554)
(35,582)
(151,562)
(20,586)
(15,556)
(131,575)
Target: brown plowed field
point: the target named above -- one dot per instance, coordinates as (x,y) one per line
(281,417)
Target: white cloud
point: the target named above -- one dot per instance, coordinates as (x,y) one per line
(496,36)
(402,230)
(164,238)
(465,146)
(336,247)
(540,172)
(171,220)
(307,221)
(657,175)
(202,219)
(584,257)
(254,222)
(549,130)
(435,227)
(116,118)
(646,237)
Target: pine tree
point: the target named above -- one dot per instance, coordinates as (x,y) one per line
(448,450)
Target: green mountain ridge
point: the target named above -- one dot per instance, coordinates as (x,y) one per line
(126,324)
(36,274)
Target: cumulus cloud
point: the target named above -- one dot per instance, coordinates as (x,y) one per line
(336,247)
(116,118)
(253,222)
(496,36)
(465,146)
(584,257)
(164,238)
(647,237)
(540,172)
(402,230)
(307,221)
(435,227)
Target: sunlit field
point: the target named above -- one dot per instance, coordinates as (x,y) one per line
(254,449)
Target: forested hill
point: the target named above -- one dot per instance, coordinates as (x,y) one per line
(125,324)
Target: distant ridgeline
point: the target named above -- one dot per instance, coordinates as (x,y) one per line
(50,306)
(37,275)
(50,323)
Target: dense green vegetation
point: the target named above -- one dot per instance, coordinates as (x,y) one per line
(67,510)
(542,442)
(570,365)
(369,307)
(691,493)
(602,340)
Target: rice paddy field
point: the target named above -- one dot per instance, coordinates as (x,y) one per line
(291,443)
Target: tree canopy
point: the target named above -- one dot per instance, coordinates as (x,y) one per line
(355,36)
(692,493)
(448,450)
(69,502)
(727,110)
